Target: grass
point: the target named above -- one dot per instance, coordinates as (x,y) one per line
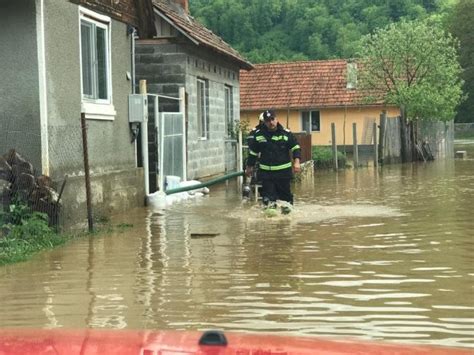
(464,135)
(13,250)
(24,233)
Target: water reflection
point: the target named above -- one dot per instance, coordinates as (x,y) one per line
(375,254)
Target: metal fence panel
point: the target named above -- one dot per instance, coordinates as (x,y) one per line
(172,146)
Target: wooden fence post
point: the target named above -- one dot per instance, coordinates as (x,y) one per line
(355,149)
(85,152)
(383,123)
(376,151)
(334,146)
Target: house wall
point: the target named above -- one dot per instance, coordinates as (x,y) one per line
(110,146)
(19,96)
(117,184)
(167,66)
(362,116)
(208,157)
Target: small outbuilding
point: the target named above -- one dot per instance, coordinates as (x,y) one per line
(185,54)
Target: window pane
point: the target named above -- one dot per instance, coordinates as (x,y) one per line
(86,48)
(201,108)
(102,63)
(315,121)
(305,122)
(229,112)
(206,108)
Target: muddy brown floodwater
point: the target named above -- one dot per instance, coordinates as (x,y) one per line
(382,254)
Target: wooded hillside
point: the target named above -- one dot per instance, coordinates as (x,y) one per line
(289,30)
(273,30)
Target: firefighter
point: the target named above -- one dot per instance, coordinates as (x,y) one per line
(254,177)
(260,125)
(279,155)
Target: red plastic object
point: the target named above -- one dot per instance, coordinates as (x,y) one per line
(102,342)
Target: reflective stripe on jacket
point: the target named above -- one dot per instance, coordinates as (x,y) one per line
(273,148)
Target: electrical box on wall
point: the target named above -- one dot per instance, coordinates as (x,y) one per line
(137,108)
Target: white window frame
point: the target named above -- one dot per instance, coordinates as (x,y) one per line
(310,120)
(229,110)
(100,109)
(202,94)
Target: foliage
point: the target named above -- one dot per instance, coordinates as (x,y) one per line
(462,27)
(412,65)
(24,233)
(289,30)
(323,157)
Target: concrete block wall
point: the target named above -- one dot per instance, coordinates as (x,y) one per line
(168,66)
(209,157)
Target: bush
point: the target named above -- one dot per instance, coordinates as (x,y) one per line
(24,233)
(322,158)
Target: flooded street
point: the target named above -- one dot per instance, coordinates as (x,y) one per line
(385,255)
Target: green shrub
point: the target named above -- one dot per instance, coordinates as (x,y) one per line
(23,233)
(322,158)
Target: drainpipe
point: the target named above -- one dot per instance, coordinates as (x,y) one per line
(43,100)
(134,36)
(132,31)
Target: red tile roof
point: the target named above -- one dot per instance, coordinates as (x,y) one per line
(309,84)
(187,25)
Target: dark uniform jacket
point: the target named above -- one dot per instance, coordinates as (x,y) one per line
(274,149)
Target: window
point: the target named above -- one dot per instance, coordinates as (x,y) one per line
(95,65)
(310,121)
(229,112)
(203,108)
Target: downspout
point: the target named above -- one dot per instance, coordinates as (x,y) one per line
(134,36)
(43,100)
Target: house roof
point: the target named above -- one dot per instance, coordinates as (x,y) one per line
(306,84)
(198,34)
(134,12)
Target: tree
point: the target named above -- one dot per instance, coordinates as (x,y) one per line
(462,27)
(412,65)
(314,29)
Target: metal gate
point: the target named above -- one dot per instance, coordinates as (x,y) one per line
(166,140)
(172,146)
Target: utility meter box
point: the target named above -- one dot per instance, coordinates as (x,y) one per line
(137,108)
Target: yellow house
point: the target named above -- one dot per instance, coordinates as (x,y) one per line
(308,96)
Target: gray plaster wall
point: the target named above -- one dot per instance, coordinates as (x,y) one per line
(166,67)
(19,96)
(117,184)
(110,146)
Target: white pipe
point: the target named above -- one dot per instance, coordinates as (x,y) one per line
(43,100)
(134,33)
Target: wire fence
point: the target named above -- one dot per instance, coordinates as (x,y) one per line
(25,192)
